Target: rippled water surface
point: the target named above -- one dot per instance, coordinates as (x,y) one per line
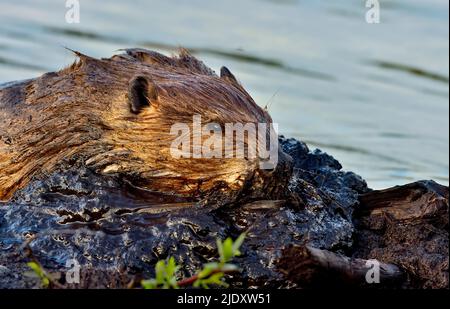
(374,96)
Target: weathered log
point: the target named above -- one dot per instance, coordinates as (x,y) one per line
(419,200)
(308,266)
(408,226)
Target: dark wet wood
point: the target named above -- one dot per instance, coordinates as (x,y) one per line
(309,266)
(413,201)
(407,226)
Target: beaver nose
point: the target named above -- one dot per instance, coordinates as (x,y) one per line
(282,167)
(273,182)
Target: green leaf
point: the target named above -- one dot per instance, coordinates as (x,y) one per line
(227,250)
(171,268)
(159,272)
(237,244)
(149,284)
(229,267)
(165,273)
(197,283)
(204,285)
(208,269)
(36,268)
(45,281)
(215,279)
(220,250)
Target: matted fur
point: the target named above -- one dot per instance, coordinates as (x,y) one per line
(82,113)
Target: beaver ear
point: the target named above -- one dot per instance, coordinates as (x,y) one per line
(141,93)
(226,74)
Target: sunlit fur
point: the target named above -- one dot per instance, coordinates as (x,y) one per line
(82,113)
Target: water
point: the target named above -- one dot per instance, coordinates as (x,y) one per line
(374,96)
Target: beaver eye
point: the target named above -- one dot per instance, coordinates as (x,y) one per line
(216,127)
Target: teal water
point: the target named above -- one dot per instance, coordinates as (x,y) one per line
(375,96)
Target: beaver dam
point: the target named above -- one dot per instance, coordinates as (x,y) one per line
(86,174)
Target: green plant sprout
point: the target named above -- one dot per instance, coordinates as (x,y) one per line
(165,276)
(212,273)
(40,273)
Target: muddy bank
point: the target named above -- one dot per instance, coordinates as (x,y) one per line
(118,232)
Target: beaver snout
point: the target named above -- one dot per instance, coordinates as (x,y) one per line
(270,183)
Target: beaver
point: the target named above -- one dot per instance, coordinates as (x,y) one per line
(115,115)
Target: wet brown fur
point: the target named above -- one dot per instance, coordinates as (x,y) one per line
(83,112)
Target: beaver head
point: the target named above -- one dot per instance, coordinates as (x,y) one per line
(117,116)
